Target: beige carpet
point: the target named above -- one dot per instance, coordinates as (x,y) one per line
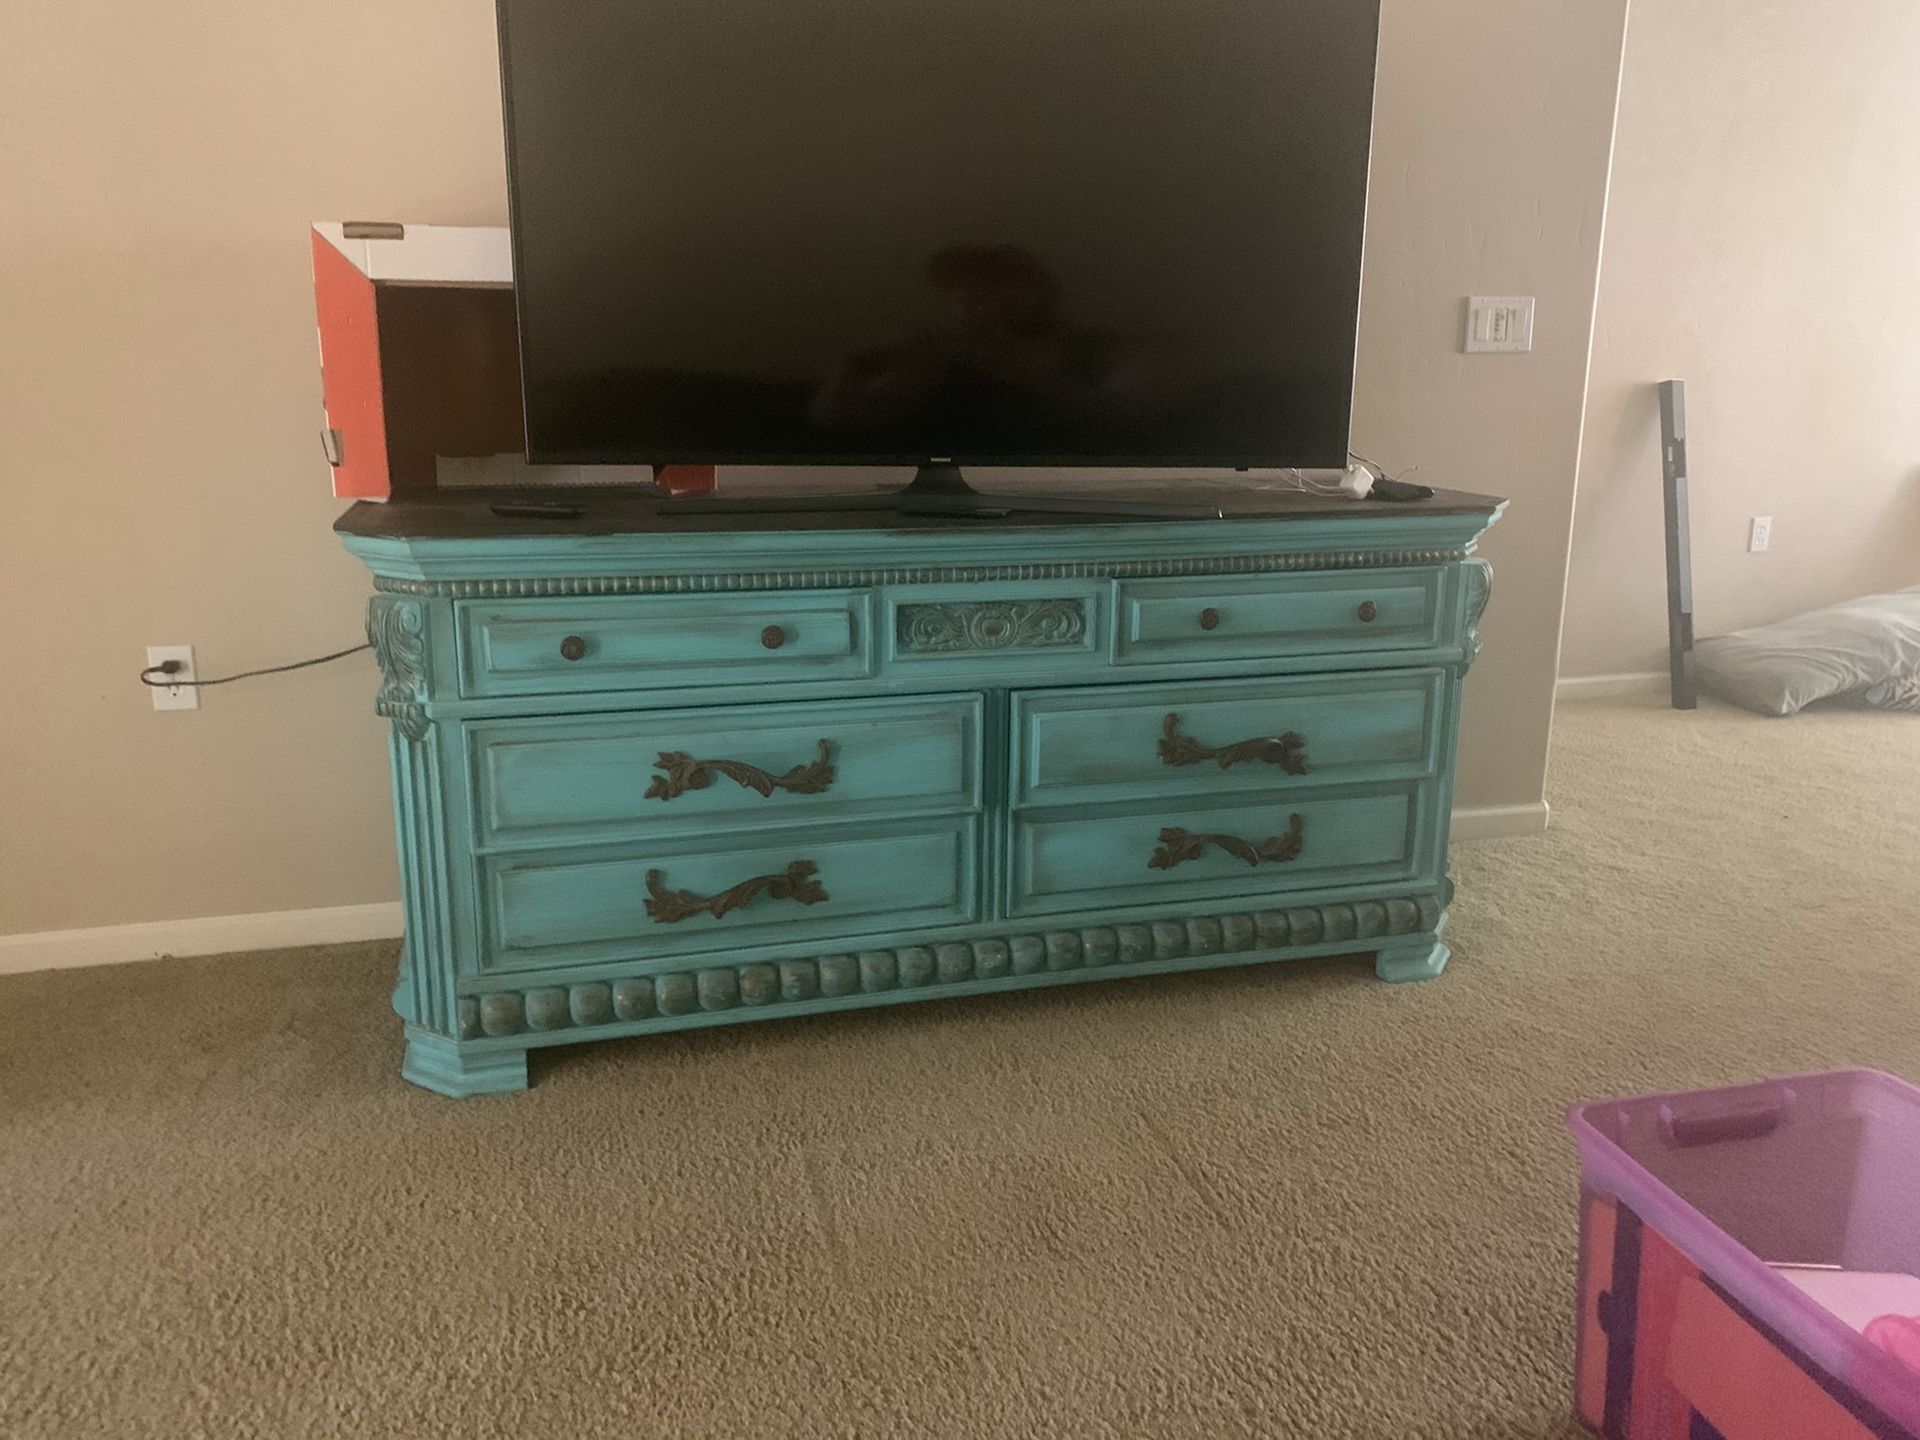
(1279,1202)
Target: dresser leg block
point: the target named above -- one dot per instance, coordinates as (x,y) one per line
(1403,964)
(441,1064)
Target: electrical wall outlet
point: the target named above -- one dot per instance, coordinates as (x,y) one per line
(1761,536)
(174,697)
(1499,323)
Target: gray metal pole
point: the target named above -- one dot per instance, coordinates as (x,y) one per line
(1673,465)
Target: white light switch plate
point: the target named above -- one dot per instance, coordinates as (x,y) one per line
(1499,323)
(174,697)
(1760,536)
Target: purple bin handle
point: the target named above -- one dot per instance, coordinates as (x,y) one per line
(1750,1121)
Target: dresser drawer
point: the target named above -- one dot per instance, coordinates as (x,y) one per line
(1113,856)
(1168,620)
(590,778)
(545,908)
(1191,736)
(523,647)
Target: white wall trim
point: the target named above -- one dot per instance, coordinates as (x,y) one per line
(1601,687)
(1499,822)
(344,924)
(208,935)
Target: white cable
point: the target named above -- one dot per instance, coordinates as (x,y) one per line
(1355,482)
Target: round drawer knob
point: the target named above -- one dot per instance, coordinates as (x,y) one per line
(1369,612)
(773,637)
(1209,619)
(573,647)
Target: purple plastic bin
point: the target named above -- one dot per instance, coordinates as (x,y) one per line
(1815,1170)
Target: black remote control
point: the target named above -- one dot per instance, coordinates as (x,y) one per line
(1399,490)
(535,510)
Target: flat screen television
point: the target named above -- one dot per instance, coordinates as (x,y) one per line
(939,232)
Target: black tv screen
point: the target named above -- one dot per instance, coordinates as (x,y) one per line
(1103,232)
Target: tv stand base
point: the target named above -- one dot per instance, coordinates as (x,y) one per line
(942,489)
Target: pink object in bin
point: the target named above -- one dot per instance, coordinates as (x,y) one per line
(1876,1303)
(1898,1335)
(1736,1246)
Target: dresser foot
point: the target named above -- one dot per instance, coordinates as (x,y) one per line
(1404,963)
(435,1062)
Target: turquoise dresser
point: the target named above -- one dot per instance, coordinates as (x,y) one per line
(656,770)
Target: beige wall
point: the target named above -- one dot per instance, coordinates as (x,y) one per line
(159,423)
(1500,195)
(159,400)
(1762,245)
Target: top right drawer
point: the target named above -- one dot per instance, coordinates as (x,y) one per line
(1169,620)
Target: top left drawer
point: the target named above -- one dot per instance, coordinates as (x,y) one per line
(661,642)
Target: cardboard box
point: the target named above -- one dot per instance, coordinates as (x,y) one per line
(420,365)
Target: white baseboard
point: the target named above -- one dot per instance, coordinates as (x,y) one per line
(208,935)
(343,924)
(1601,687)
(1498,822)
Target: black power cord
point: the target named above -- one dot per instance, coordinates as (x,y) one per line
(174,667)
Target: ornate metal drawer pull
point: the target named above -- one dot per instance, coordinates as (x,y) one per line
(1178,846)
(1286,751)
(685,773)
(795,883)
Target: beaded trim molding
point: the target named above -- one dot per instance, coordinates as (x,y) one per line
(919,574)
(542,1009)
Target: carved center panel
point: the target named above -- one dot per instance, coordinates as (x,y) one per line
(991,625)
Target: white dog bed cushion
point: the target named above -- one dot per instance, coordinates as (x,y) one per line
(1868,648)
